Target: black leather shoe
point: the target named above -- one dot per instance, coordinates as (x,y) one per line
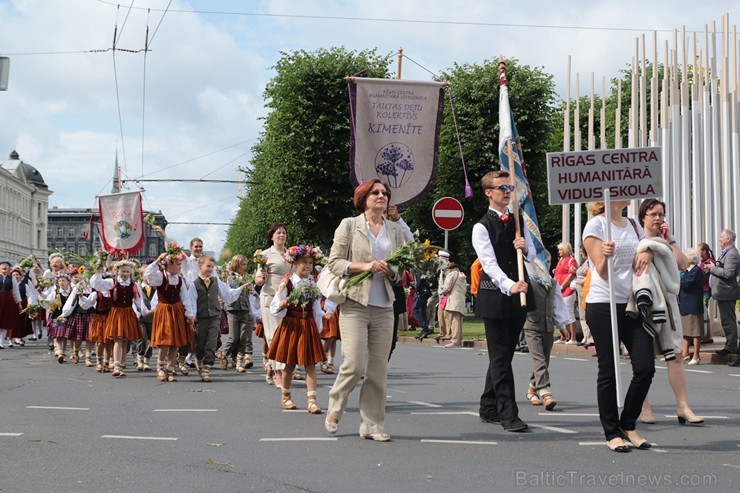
(722,352)
(514,425)
(494,419)
(736,363)
(423,335)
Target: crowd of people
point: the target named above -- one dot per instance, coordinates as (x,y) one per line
(196,314)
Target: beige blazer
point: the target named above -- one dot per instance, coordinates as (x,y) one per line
(343,254)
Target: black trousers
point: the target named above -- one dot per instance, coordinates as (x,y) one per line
(143,346)
(499,396)
(640,346)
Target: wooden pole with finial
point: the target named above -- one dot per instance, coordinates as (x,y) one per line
(400,62)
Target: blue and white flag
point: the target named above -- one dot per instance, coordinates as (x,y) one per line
(508,132)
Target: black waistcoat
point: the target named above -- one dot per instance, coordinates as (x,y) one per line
(491,302)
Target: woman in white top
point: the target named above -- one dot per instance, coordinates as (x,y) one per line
(361,244)
(625,234)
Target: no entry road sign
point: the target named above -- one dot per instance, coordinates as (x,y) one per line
(448,213)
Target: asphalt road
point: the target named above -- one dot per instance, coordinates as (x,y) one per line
(137,434)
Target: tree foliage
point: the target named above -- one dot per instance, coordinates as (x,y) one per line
(299,171)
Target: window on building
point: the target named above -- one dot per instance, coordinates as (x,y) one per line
(38,239)
(60,232)
(153,251)
(38,211)
(71,232)
(82,249)
(83,229)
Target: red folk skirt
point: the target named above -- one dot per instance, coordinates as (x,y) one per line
(8,312)
(297,342)
(122,324)
(97,327)
(169,327)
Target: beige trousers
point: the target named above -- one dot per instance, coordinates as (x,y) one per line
(454,322)
(367,332)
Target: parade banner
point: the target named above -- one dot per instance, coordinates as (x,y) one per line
(121,219)
(395,135)
(576,177)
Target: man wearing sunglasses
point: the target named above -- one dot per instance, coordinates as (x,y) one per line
(498,303)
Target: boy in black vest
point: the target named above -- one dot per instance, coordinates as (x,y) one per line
(206,295)
(498,300)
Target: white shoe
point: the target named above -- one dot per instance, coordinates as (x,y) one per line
(694,362)
(559,341)
(571,343)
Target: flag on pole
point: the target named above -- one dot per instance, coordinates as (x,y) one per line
(508,132)
(121,220)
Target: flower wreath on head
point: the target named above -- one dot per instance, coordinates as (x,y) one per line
(56,255)
(174,252)
(65,275)
(124,263)
(295,252)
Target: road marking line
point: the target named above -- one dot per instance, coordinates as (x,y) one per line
(185,410)
(733,375)
(661,367)
(426,404)
(59,408)
(731,465)
(587,444)
(300,439)
(127,437)
(448,413)
(293,411)
(552,428)
(577,359)
(661,451)
(389,388)
(556,414)
(698,371)
(462,442)
(705,417)
(10,434)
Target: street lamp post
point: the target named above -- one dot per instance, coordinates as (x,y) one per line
(4,70)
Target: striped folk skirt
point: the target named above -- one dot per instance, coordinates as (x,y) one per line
(77,327)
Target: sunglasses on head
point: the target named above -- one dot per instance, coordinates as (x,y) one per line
(504,188)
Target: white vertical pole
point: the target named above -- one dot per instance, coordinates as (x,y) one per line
(707,142)
(612,301)
(685,194)
(566,147)
(728,199)
(715,145)
(697,176)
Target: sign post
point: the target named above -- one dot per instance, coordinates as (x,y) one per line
(448,214)
(603,176)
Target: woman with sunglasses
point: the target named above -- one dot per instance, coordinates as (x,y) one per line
(361,244)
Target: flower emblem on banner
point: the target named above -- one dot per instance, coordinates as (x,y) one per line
(123,229)
(394,163)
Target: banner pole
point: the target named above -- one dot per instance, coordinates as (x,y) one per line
(612,303)
(519,254)
(400,62)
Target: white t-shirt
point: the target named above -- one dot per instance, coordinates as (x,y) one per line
(626,242)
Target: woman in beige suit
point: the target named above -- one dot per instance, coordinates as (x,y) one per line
(360,245)
(269,278)
(454,289)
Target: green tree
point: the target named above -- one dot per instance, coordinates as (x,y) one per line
(475,92)
(299,171)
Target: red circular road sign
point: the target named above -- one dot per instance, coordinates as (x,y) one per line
(448,213)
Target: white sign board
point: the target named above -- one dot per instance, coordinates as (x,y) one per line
(577,177)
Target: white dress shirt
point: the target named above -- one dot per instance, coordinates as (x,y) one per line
(282,294)
(487,255)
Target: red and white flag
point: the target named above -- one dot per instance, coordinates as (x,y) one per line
(121,219)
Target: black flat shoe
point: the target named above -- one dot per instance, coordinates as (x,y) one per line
(514,425)
(736,363)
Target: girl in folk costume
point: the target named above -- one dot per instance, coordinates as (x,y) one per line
(77,315)
(57,323)
(48,285)
(206,295)
(297,304)
(10,301)
(23,327)
(122,324)
(269,275)
(101,303)
(174,314)
(83,313)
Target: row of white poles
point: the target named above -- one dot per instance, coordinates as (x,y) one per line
(692,111)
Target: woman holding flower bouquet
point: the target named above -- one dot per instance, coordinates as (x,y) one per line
(361,245)
(297,305)
(270,273)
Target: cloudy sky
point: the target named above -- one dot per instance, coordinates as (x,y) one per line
(210,60)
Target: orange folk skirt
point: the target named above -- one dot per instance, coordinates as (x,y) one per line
(169,327)
(97,327)
(331,327)
(297,342)
(123,324)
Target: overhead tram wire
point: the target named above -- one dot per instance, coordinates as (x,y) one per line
(118,97)
(411,21)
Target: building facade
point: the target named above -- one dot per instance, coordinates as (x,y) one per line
(78,231)
(24,204)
